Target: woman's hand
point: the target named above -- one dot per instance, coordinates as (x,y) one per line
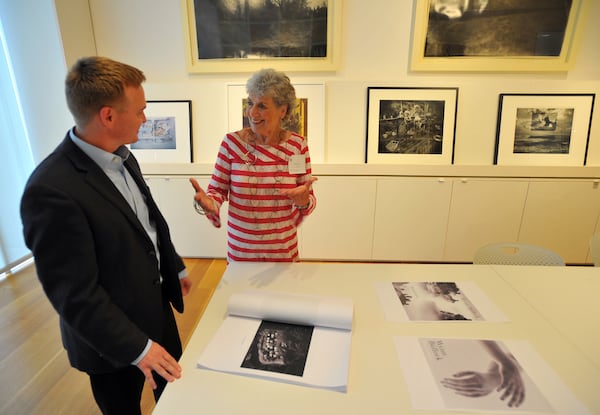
(299,195)
(205,202)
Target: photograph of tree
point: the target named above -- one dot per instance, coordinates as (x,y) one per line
(255,29)
(496,27)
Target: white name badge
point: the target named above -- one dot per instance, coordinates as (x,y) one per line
(296,164)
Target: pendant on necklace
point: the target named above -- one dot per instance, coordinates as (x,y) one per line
(250,156)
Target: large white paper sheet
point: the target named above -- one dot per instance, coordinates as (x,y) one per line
(428,363)
(334,312)
(433,301)
(254,324)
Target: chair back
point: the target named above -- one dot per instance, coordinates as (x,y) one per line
(516,254)
(595,249)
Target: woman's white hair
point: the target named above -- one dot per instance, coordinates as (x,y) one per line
(269,82)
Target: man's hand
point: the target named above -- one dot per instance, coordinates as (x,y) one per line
(186,285)
(160,361)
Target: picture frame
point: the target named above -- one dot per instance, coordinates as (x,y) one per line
(217,40)
(166,136)
(531,37)
(311,112)
(543,129)
(411,125)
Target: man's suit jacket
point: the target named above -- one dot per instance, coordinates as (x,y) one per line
(96,263)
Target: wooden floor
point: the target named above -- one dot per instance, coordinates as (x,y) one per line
(35,376)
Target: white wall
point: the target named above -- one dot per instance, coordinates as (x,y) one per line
(76,29)
(376,42)
(36,51)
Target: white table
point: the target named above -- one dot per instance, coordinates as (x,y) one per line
(376,384)
(570,301)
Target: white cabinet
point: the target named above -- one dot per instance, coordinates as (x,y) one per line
(410,219)
(561,215)
(483,211)
(193,235)
(341,226)
(371,218)
(589,257)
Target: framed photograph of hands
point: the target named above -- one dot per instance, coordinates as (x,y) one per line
(166,136)
(543,129)
(244,36)
(497,36)
(411,125)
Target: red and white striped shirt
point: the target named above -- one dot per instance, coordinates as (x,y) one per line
(261,224)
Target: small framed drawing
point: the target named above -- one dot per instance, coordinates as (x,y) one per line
(497,36)
(308,118)
(244,36)
(166,136)
(543,129)
(411,125)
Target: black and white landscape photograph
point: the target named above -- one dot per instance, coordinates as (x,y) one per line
(256,29)
(496,27)
(543,130)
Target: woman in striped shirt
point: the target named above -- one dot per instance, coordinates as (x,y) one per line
(264,172)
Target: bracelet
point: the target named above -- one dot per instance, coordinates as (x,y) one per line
(198,208)
(303,207)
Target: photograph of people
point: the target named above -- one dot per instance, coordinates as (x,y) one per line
(102,248)
(264,173)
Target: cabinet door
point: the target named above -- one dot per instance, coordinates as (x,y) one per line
(341,226)
(561,215)
(193,235)
(410,219)
(482,212)
(590,258)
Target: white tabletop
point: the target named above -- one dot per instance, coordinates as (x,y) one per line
(569,300)
(375,383)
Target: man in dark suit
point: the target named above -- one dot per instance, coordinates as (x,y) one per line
(102,248)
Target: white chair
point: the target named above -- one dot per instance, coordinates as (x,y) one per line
(516,254)
(595,249)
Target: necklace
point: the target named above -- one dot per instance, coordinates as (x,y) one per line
(250,142)
(250,155)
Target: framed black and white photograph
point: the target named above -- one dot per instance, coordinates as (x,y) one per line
(498,35)
(244,36)
(411,125)
(166,136)
(543,129)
